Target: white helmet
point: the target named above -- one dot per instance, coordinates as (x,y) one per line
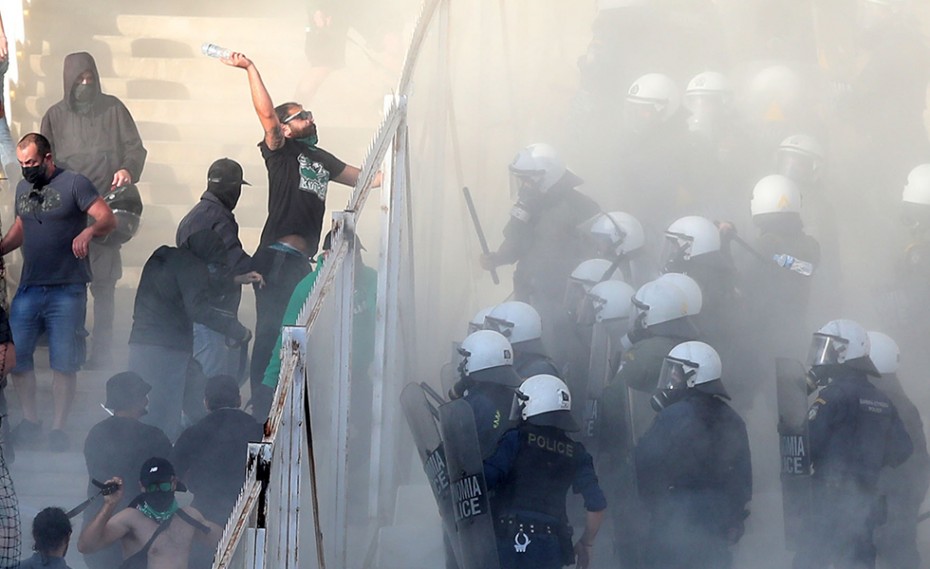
(884,353)
(536,167)
(589,273)
(800,157)
(693,236)
(842,342)
(547,402)
(518,321)
(917,189)
(617,232)
(488,357)
(611,300)
(707,99)
(775,194)
(690,287)
(660,301)
(477,321)
(658,91)
(709,83)
(692,365)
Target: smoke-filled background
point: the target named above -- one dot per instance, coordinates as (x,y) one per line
(517,72)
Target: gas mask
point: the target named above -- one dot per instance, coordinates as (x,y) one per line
(673,382)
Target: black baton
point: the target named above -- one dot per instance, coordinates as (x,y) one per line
(481,240)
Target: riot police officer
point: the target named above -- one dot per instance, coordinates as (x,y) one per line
(531,471)
(855,430)
(487,382)
(693,465)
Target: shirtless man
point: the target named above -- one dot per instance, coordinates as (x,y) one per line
(134,525)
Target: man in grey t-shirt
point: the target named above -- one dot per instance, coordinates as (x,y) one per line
(52,206)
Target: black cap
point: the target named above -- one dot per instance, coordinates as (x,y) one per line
(226,172)
(157,470)
(124,390)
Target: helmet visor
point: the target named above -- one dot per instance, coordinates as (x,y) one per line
(796,166)
(590,307)
(639,115)
(499,325)
(675,374)
(526,184)
(826,350)
(604,235)
(575,294)
(675,249)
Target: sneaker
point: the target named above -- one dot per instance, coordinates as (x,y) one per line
(58,441)
(26,433)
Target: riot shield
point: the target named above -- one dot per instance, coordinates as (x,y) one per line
(597,376)
(470,505)
(794,445)
(422,417)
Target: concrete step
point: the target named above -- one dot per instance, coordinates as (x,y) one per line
(219,29)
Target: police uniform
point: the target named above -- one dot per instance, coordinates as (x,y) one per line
(694,474)
(855,431)
(529,363)
(491,404)
(531,471)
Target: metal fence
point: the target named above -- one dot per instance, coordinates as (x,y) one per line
(323,478)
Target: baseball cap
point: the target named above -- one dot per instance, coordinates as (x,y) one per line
(157,470)
(221,391)
(226,171)
(125,389)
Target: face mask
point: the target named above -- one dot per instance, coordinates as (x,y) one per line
(35,175)
(310,141)
(664,398)
(85,93)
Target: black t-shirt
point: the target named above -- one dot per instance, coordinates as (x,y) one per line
(298,177)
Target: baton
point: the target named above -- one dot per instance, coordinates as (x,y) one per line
(481,240)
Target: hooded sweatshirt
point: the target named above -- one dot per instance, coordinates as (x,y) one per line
(175,291)
(98,140)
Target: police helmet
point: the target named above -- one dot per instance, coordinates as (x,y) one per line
(616,233)
(477,321)
(689,365)
(690,287)
(842,342)
(800,157)
(884,353)
(691,236)
(126,204)
(775,194)
(536,168)
(517,321)
(547,402)
(488,357)
(660,301)
(611,300)
(656,92)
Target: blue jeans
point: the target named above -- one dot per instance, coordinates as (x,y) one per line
(212,353)
(7,144)
(57,309)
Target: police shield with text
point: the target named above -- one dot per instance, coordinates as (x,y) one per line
(855,431)
(531,471)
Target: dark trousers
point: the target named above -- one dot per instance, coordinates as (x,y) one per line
(107,268)
(839,529)
(282,271)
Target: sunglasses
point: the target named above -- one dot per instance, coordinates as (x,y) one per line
(302,115)
(159,487)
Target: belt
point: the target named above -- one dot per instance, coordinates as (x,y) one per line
(528,527)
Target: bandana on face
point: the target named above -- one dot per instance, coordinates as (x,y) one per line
(158,505)
(310,141)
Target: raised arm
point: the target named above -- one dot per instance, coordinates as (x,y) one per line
(261,100)
(105,528)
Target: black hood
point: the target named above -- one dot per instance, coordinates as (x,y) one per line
(206,245)
(76,64)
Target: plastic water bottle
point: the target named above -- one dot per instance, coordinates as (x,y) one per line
(792,264)
(213,50)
